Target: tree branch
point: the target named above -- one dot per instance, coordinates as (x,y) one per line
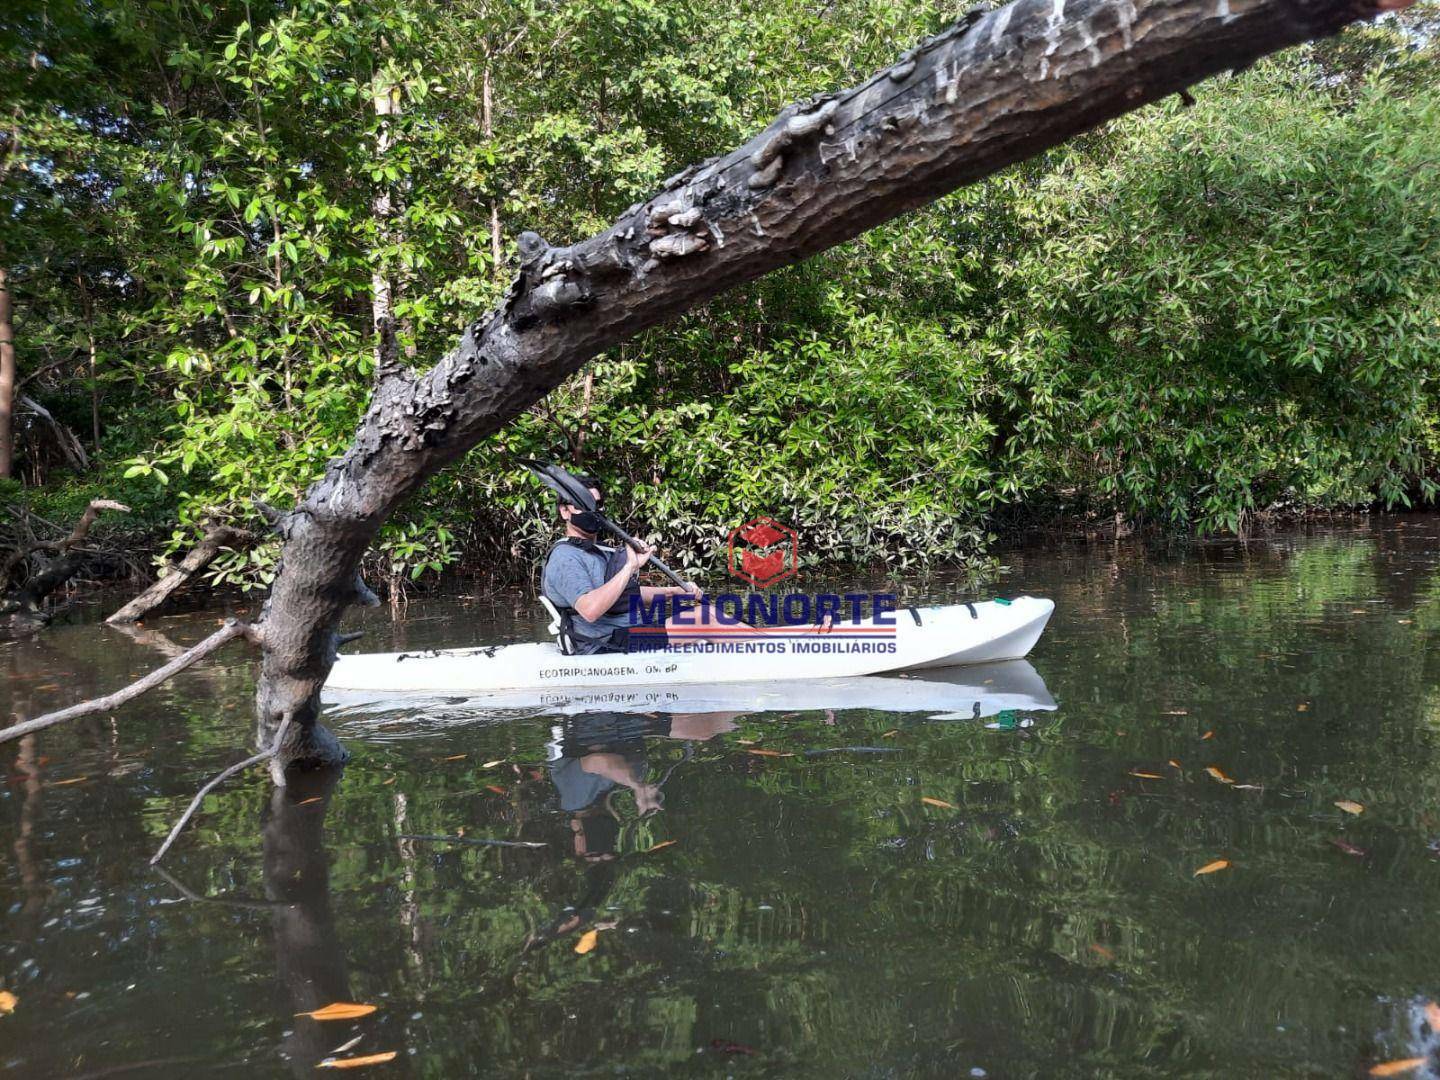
(194,654)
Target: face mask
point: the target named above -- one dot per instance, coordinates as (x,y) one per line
(586,521)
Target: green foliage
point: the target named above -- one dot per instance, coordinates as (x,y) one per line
(1191,317)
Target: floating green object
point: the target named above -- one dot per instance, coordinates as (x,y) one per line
(1005,603)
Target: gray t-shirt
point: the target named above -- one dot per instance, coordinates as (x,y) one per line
(571,572)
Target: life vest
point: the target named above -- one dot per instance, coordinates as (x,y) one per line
(614,563)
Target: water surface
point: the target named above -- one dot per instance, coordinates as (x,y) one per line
(761,914)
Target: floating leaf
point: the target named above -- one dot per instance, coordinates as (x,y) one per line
(587,941)
(1173,763)
(491,764)
(1395,1068)
(657,847)
(307,802)
(496,788)
(1359,853)
(1176,712)
(1146,775)
(1432,1016)
(340,1010)
(1212,867)
(73,780)
(1207,735)
(928,801)
(387,783)
(357,1062)
(1304,706)
(1350,807)
(1218,775)
(768,753)
(1249,787)
(8,1001)
(452,757)
(891,733)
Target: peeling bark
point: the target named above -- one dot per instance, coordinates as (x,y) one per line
(992,90)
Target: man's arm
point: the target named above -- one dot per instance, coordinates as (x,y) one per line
(593,604)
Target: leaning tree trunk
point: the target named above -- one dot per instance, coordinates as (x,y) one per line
(994,89)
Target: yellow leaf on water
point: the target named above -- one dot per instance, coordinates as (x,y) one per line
(1173,763)
(1350,807)
(307,802)
(340,1010)
(452,757)
(387,783)
(357,1062)
(662,844)
(1432,1016)
(8,1001)
(1207,735)
(1395,1068)
(928,801)
(891,734)
(1304,706)
(1146,775)
(73,780)
(767,753)
(492,764)
(1211,867)
(1218,775)
(746,742)
(587,941)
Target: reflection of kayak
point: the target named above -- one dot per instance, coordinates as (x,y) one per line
(911,639)
(962,693)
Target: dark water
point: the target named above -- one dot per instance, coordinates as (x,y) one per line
(812,917)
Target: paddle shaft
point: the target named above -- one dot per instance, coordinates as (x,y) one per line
(628,539)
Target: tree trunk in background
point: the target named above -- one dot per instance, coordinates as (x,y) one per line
(7,378)
(386,99)
(994,89)
(487,128)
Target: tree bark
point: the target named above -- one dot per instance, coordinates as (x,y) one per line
(992,90)
(385,97)
(7,378)
(176,577)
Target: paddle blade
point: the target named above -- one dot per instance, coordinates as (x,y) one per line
(564,484)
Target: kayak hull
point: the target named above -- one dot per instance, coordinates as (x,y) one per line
(973,692)
(911,639)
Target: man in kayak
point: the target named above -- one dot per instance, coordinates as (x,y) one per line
(594,584)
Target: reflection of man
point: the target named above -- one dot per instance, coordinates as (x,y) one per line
(591,756)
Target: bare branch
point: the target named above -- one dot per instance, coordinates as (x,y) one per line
(232,629)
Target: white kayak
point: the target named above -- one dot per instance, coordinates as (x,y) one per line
(974,692)
(909,639)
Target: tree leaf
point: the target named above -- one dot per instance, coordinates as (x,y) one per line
(1350,807)
(1432,1016)
(1146,775)
(1395,1068)
(587,941)
(1212,867)
(8,1001)
(928,801)
(758,752)
(340,1010)
(357,1062)
(1218,775)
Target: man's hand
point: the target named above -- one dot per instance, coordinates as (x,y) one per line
(690,589)
(634,560)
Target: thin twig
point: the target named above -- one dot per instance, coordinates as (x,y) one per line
(215,781)
(191,895)
(478,841)
(233,628)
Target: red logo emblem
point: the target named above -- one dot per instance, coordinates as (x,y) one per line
(763,551)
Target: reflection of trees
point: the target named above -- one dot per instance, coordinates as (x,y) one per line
(308,953)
